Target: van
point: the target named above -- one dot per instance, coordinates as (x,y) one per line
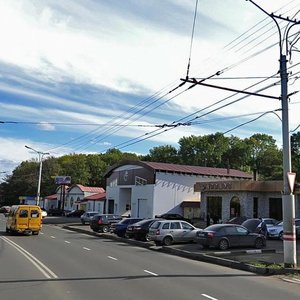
(24,219)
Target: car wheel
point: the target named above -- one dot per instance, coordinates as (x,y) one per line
(105,229)
(259,243)
(147,238)
(83,223)
(223,244)
(7,230)
(280,235)
(168,241)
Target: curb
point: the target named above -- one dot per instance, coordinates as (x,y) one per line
(212,258)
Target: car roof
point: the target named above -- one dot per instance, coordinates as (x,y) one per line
(218,226)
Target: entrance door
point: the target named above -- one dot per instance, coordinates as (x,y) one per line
(142,208)
(214,208)
(235,207)
(110,209)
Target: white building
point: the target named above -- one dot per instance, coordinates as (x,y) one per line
(76,194)
(76,197)
(149,188)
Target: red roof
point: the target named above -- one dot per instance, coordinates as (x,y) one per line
(51,197)
(91,189)
(184,169)
(197,170)
(96,197)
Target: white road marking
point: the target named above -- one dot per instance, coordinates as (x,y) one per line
(41,232)
(67,242)
(85,248)
(151,273)
(37,263)
(111,257)
(292,280)
(53,237)
(209,297)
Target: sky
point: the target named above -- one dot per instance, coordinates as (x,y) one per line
(86,76)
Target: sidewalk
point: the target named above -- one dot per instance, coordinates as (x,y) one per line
(267,261)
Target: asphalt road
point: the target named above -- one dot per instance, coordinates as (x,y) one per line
(63,264)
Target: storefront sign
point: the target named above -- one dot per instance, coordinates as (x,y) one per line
(213,186)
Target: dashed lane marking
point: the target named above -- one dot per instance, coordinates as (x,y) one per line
(85,248)
(209,297)
(111,257)
(151,273)
(67,242)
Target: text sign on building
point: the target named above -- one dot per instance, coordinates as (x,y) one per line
(62,179)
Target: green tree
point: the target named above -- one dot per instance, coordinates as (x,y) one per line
(264,156)
(207,150)
(236,155)
(165,154)
(97,168)
(75,165)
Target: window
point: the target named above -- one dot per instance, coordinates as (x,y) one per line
(186,226)
(231,230)
(175,225)
(241,231)
(140,181)
(23,213)
(34,213)
(166,226)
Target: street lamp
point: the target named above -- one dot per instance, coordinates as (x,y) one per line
(288,199)
(41,154)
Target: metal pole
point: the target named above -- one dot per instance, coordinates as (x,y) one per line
(40,154)
(288,199)
(39,182)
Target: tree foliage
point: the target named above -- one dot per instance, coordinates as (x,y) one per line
(258,152)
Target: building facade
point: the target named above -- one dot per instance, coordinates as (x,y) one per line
(223,200)
(147,189)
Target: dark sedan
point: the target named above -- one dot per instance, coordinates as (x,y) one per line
(140,230)
(169,216)
(224,236)
(120,228)
(75,213)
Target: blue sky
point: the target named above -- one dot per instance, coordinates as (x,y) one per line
(83,76)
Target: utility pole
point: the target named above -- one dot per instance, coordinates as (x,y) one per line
(40,154)
(288,199)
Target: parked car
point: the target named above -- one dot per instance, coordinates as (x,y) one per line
(44,212)
(236,220)
(120,228)
(276,231)
(140,230)
(75,213)
(259,225)
(169,216)
(55,212)
(87,216)
(224,236)
(5,209)
(167,232)
(102,222)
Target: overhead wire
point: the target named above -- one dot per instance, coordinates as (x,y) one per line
(121,115)
(154,133)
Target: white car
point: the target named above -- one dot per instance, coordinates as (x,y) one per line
(276,231)
(167,232)
(44,213)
